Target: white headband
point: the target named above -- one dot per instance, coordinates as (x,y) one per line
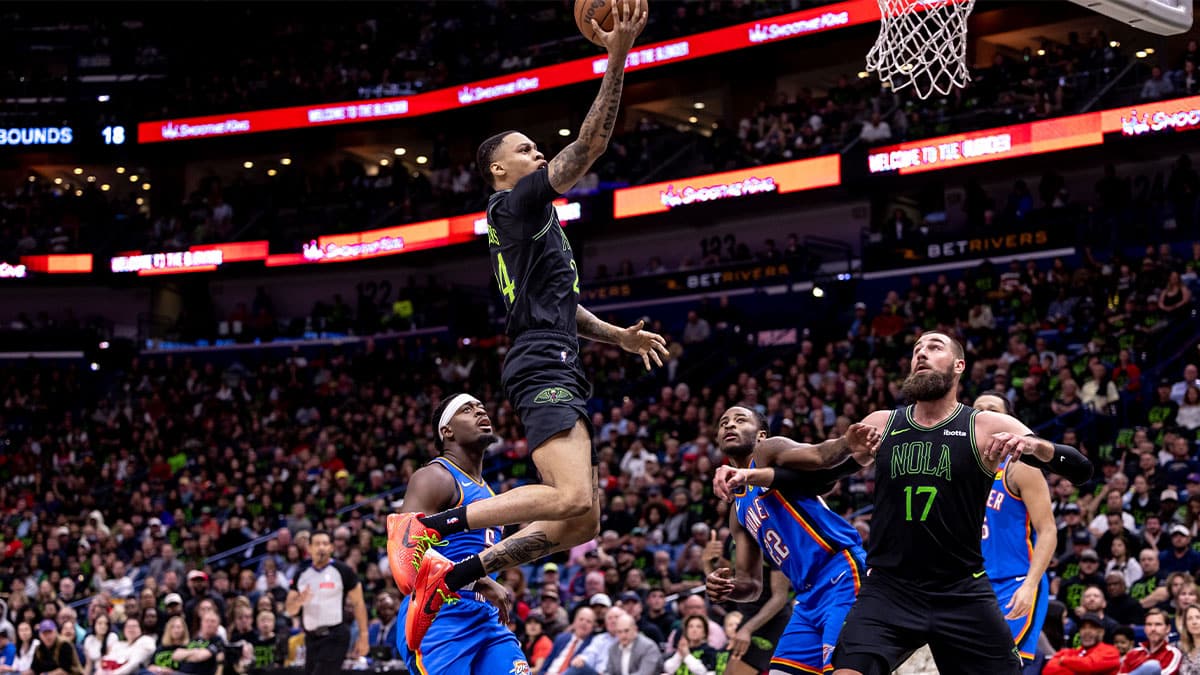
(455,403)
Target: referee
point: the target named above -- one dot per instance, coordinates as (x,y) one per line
(320,593)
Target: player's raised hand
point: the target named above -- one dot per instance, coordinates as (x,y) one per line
(629,19)
(719,584)
(650,346)
(863,439)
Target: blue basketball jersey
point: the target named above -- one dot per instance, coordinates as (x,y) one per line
(467,636)
(469,543)
(798,534)
(1008,534)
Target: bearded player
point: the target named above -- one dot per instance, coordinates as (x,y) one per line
(934,470)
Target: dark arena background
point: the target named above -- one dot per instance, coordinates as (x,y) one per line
(244,256)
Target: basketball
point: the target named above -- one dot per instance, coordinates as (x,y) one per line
(600,10)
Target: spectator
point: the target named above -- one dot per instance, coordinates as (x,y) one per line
(1180,557)
(692,651)
(98,643)
(26,645)
(1119,557)
(633,653)
(593,660)
(536,645)
(568,644)
(696,605)
(875,131)
(1187,623)
(1092,657)
(130,655)
(383,629)
(551,613)
(1099,392)
(1191,378)
(1188,415)
(1156,648)
(1157,87)
(174,637)
(1121,606)
(696,330)
(54,654)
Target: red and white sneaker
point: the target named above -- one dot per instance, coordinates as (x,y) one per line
(408,540)
(429,594)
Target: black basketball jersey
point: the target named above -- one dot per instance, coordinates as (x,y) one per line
(531,258)
(931,487)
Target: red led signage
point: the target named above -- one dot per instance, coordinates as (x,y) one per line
(750,34)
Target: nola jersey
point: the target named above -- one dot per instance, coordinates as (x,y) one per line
(1008,535)
(531,258)
(798,534)
(931,486)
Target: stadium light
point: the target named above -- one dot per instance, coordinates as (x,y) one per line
(248,164)
(133,178)
(693,119)
(698,105)
(77,171)
(818,292)
(120,169)
(271,172)
(145,186)
(564,132)
(286,161)
(91,179)
(421,159)
(103,98)
(58,181)
(105,187)
(1140,54)
(384,162)
(399,152)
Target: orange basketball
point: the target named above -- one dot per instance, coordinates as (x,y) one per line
(600,10)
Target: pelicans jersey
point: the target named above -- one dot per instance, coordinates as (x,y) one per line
(467,636)
(821,554)
(1008,540)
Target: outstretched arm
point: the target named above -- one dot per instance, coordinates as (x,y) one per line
(629,18)
(650,346)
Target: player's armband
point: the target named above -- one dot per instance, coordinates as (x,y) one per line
(1066,462)
(812,482)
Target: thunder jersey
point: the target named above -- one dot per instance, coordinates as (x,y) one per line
(931,486)
(1008,535)
(797,534)
(531,258)
(469,543)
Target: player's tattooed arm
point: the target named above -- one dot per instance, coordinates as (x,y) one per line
(652,347)
(574,161)
(516,551)
(594,328)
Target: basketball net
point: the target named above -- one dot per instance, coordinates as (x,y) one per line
(922,44)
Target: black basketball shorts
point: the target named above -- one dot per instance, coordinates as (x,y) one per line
(960,620)
(545,382)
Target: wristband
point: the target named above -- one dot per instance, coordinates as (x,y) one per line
(1066,462)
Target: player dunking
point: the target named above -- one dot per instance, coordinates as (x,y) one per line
(934,469)
(470,636)
(778,512)
(542,376)
(1019,536)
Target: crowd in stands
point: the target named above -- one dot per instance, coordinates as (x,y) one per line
(170,499)
(305,199)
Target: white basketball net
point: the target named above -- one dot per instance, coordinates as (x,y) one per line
(922,44)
